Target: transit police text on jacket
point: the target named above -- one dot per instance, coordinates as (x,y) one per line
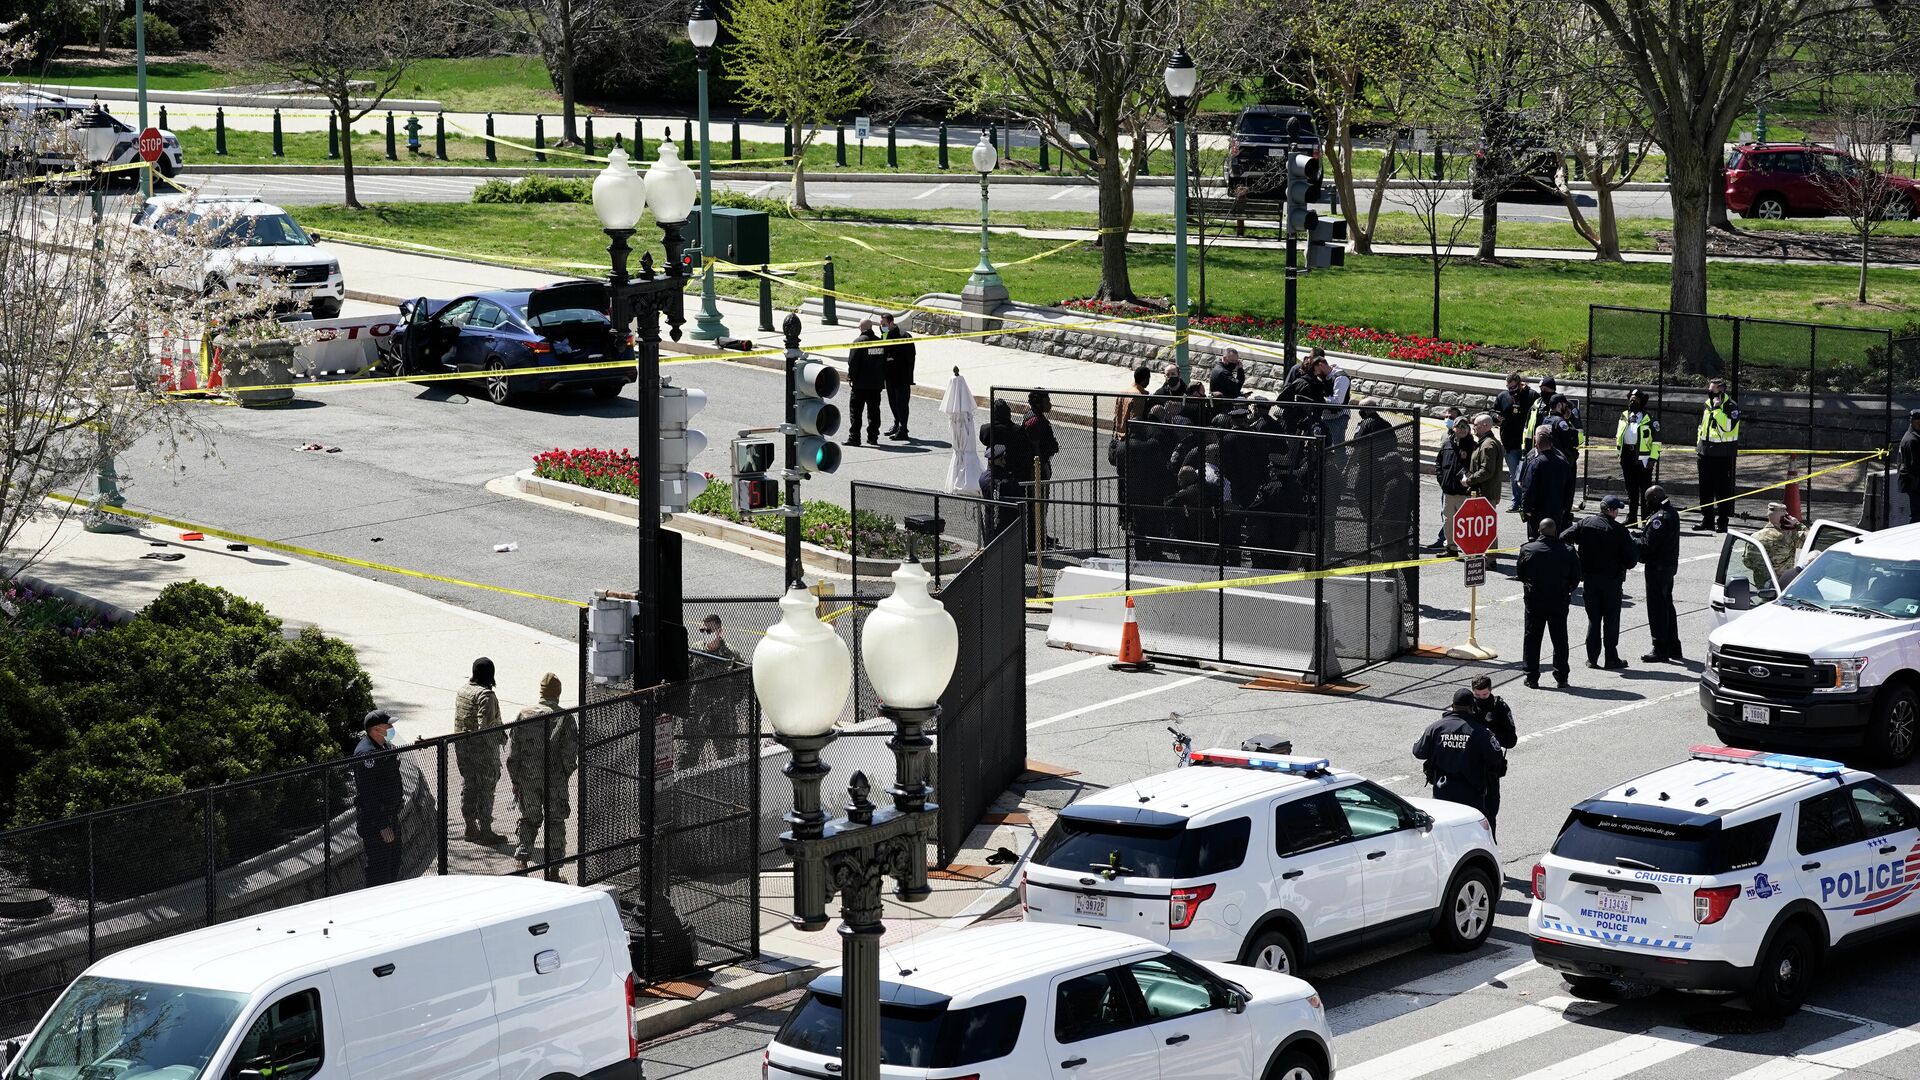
(1461,757)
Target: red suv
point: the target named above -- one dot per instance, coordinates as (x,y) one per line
(1777,180)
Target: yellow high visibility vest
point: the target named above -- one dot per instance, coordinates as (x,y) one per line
(1646,437)
(1717,425)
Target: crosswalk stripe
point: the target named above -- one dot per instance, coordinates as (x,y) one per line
(1624,1056)
(1378,1008)
(1853,1049)
(1464,1044)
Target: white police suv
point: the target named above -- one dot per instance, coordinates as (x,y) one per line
(1270,860)
(1734,871)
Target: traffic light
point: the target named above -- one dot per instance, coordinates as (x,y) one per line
(679,445)
(816,418)
(1326,241)
(1303,190)
(753,490)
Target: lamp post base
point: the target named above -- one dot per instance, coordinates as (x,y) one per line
(981,299)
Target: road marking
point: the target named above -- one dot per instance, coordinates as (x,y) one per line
(1062,193)
(1068,669)
(1625,1055)
(1464,1044)
(831,195)
(1122,699)
(761,190)
(1855,1049)
(1379,1007)
(1608,714)
(932,191)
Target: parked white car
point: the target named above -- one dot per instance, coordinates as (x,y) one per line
(1735,871)
(435,977)
(1823,655)
(56,134)
(1017,1001)
(241,241)
(1270,860)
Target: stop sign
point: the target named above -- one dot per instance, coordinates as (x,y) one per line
(1475,525)
(150,145)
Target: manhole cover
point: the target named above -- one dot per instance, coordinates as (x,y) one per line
(24,903)
(1726,1020)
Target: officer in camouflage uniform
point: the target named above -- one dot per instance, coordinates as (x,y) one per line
(476,708)
(540,760)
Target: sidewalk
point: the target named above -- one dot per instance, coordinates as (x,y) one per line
(418,650)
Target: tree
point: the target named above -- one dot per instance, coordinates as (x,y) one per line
(1090,66)
(1483,57)
(571,34)
(794,59)
(1442,209)
(1868,197)
(1596,118)
(352,54)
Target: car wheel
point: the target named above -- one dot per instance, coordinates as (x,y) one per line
(1466,912)
(1297,1065)
(499,386)
(1274,950)
(607,391)
(1784,973)
(1769,208)
(1899,208)
(1895,730)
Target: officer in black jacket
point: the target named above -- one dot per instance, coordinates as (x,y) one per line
(1546,485)
(867,375)
(1549,570)
(1660,555)
(1462,759)
(1497,715)
(1607,552)
(377,797)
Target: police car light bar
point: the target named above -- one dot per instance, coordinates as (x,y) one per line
(1789,762)
(1240,759)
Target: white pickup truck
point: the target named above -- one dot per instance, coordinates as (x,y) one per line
(1821,655)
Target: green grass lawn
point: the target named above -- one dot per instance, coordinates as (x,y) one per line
(1543,301)
(470,84)
(161,75)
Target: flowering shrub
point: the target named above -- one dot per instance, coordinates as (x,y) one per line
(1110,308)
(1365,340)
(602,470)
(28,609)
(822,523)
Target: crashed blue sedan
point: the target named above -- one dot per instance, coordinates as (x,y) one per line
(506,339)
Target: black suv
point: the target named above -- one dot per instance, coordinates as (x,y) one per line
(1517,154)
(1262,138)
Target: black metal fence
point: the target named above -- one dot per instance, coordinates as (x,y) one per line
(582,791)
(1811,397)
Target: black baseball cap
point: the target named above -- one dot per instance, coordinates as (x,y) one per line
(376,718)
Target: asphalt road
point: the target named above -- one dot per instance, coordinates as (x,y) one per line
(961,193)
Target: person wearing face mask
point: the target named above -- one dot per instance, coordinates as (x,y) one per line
(476,714)
(1497,715)
(377,798)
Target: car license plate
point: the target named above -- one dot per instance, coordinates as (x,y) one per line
(1756,714)
(1616,903)
(1091,906)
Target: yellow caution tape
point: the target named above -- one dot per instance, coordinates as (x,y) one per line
(864,246)
(1875,456)
(591,157)
(77,174)
(305,552)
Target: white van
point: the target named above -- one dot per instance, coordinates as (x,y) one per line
(469,977)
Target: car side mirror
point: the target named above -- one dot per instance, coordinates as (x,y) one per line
(1739,592)
(314,236)
(8,1052)
(1423,819)
(1237,1001)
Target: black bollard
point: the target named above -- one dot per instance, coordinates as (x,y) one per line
(943,145)
(786,140)
(840,145)
(440,135)
(686,138)
(766,299)
(893,151)
(829,311)
(639,140)
(393,153)
(279,149)
(220,131)
(1043,154)
(589,136)
(493,153)
(539,137)
(737,155)
(163,118)
(333,136)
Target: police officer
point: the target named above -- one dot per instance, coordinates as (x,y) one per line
(377,798)
(1514,406)
(1542,406)
(1638,438)
(1549,570)
(1461,756)
(1607,552)
(540,759)
(1497,715)
(476,713)
(1546,485)
(1660,558)
(1719,444)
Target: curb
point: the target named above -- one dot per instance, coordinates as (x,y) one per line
(666,1021)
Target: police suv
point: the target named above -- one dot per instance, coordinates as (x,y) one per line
(1269,860)
(1732,871)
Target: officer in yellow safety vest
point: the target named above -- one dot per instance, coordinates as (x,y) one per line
(1718,445)
(1542,406)
(1638,437)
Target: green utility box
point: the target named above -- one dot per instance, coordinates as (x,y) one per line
(739,236)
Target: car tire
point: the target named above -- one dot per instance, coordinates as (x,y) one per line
(607,391)
(1274,950)
(1768,207)
(1297,1064)
(1894,732)
(1784,973)
(499,386)
(1465,917)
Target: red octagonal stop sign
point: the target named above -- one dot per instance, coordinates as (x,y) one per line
(1475,525)
(150,145)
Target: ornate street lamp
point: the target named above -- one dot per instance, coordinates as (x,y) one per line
(703,30)
(801,672)
(984,291)
(619,197)
(1181,78)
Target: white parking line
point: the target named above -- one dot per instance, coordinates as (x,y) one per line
(1476,974)
(932,191)
(1068,669)
(1122,699)
(1607,715)
(761,190)
(1626,1055)
(1063,193)
(1459,1046)
(1853,1049)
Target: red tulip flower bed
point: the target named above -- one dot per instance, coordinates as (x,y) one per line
(615,471)
(1412,348)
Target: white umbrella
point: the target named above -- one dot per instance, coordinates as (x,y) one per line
(964,469)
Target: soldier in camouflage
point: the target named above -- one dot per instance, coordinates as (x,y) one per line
(476,708)
(540,760)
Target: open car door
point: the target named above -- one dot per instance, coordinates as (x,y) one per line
(1822,535)
(1743,579)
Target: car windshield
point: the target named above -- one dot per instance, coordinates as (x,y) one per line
(1144,851)
(260,230)
(103,1029)
(1859,585)
(912,1038)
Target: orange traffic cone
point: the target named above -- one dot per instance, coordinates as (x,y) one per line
(1132,657)
(1793,501)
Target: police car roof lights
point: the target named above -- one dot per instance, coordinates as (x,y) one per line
(1789,762)
(1241,759)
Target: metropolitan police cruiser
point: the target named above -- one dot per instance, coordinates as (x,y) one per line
(1733,871)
